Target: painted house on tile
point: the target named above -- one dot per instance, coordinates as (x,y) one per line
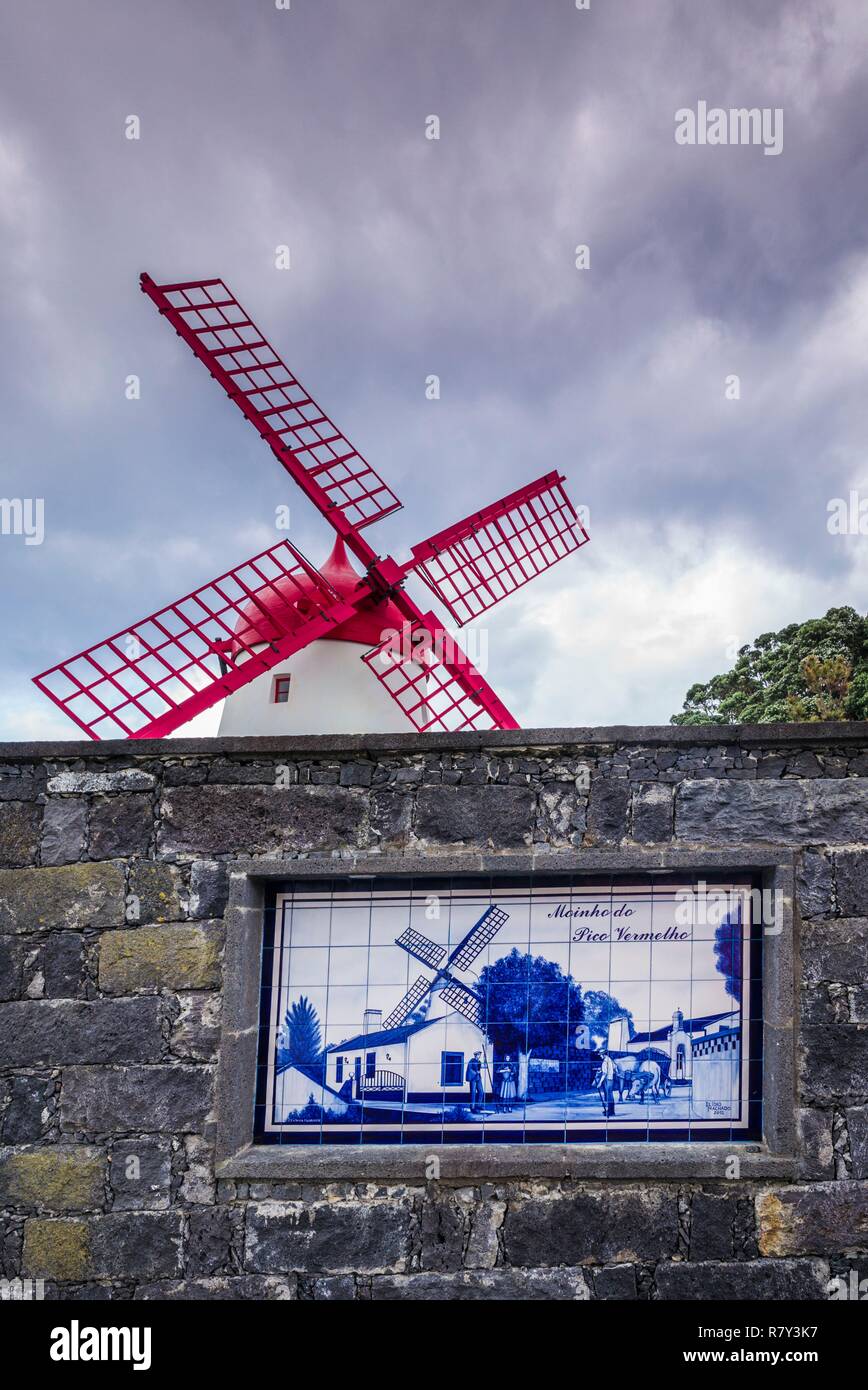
(299,1086)
(416,1062)
(683,1041)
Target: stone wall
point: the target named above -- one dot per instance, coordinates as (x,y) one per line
(115,864)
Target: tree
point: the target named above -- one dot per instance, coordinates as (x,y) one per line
(301,1043)
(727,956)
(601,1008)
(829,685)
(527,1003)
(816,670)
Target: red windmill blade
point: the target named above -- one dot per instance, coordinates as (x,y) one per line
(311,448)
(157,675)
(476,562)
(160,672)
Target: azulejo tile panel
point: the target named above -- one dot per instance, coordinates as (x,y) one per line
(547,1009)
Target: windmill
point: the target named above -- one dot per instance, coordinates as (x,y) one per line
(228,638)
(445,982)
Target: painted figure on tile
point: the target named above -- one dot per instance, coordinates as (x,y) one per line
(605,1083)
(506,1084)
(474,1076)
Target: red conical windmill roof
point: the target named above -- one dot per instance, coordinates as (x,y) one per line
(283,606)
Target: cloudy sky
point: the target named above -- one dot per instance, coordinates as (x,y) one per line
(456,257)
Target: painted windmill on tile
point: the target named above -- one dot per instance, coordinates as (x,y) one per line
(279,640)
(453,991)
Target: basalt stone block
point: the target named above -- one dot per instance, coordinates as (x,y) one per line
(712,1226)
(246,1288)
(357,774)
(858,1001)
(21,782)
(835,951)
(805,764)
(165,957)
(562,815)
(605,1227)
(155,1100)
(253,820)
(771,765)
(196,1031)
(64,830)
(185,774)
(135,1245)
(157,887)
(851,873)
(391,818)
(214,1240)
(64,1032)
(743,1280)
(833,1063)
(772,812)
(53,1178)
(478,1286)
(820,1219)
(815,884)
(124,779)
(73,896)
(482,1247)
(56,1248)
(496,816)
(140,1174)
(444,1226)
(198,1184)
(30,1110)
(335,1237)
(652,813)
(11,1241)
(816,1144)
(234,771)
(209,888)
(121,825)
(339,1288)
(608,811)
(87,1293)
(11,968)
(615,1282)
(857,1129)
(61,961)
(20,822)
(641,1226)
(825,1003)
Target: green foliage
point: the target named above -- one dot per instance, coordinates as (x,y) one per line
(817,670)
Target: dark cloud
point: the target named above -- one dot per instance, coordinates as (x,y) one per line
(456,257)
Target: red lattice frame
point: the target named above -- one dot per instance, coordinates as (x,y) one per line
(152,677)
(309,445)
(434,683)
(475,563)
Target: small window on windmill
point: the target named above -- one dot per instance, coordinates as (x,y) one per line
(280,690)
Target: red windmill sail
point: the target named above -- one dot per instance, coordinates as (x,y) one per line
(155,676)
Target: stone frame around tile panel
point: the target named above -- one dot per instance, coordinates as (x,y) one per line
(237,1157)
